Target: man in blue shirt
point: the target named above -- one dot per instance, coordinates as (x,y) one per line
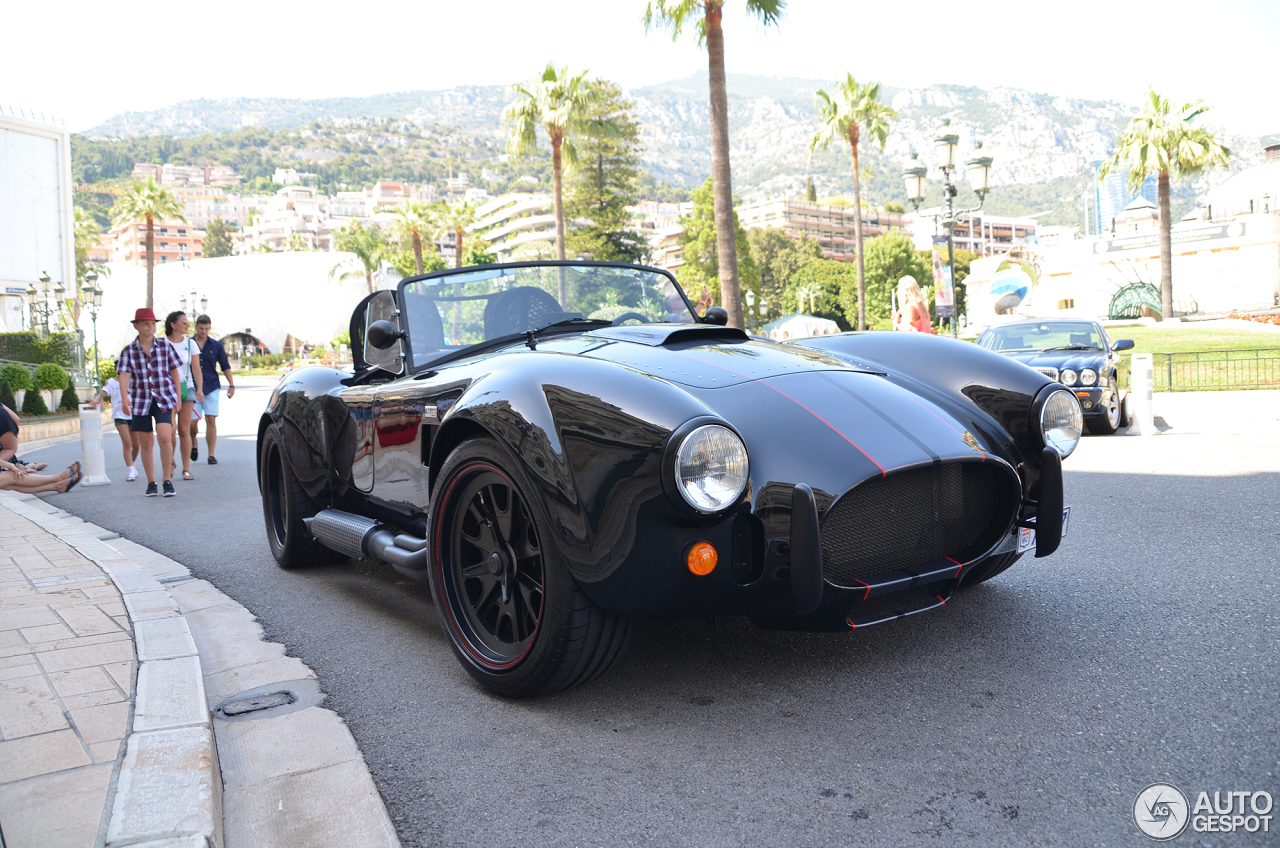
(212,355)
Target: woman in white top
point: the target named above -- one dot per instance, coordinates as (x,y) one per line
(190,392)
(130,441)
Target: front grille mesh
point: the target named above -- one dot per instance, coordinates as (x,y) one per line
(889,523)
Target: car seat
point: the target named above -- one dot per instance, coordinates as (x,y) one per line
(519,309)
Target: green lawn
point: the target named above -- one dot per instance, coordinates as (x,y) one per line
(1176,340)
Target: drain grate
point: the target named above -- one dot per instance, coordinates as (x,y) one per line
(253,705)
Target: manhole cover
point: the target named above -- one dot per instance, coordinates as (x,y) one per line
(253,705)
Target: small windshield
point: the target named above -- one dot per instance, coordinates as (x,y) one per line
(1048,335)
(451,312)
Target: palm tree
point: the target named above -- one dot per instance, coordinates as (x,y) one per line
(147,202)
(559,103)
(1161,140)
(415,220)
(368,246)
(855,108)
(86,234)
(457,217)
(707,15)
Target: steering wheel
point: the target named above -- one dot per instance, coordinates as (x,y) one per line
(628,315)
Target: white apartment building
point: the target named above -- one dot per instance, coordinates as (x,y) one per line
(512,220)
(980,233)
(202,203)
(294,212)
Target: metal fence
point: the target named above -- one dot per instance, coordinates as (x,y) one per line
(1208,370)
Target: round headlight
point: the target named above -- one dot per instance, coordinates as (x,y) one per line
(1067,377)
(1061,422)
(1088,377)
(711,468)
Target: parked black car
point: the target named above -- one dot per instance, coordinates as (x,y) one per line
(1078,354)
(559,448)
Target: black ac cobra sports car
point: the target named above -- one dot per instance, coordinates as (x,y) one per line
(560,448)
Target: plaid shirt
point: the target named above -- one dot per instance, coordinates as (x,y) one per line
(150,377)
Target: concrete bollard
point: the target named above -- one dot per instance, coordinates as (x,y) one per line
(93,462)
(1142,377)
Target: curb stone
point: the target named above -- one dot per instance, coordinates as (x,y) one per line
(168,790)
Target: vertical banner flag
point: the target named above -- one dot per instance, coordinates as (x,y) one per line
(944,290)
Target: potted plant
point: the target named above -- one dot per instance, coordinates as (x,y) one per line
(51,379)
(19,379)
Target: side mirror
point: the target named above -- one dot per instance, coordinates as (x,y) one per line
(1123,344)
(716,315)
(382,334)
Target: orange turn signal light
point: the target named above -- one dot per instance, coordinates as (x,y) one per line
(702,559)
(1082,394)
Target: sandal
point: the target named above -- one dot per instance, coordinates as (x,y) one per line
(186,475)
(73,479)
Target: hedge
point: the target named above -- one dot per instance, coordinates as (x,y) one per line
(69,400)
(17,377)
(58,348)
(33,404)
(51,377)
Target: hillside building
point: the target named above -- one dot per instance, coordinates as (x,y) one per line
(174,241)
(830,225)
(202,203)
(296,218)
(513,220)
(184,175)
(980,233)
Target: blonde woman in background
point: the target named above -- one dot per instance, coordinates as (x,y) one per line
(913,312)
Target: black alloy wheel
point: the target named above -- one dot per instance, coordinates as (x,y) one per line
(284,505)
(513,613)
(497,577)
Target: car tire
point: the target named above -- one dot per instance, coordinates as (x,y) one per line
(1108,424)
(514,615)
(284,505)
(1124,411)
(988,568)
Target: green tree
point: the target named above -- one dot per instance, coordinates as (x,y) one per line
(707,17)
(478,252)
(779,257)
(810,193)
(561,105)
(1162,141)
(818,289)
(699,244)
(297,243)
(147,202)
(855,108)
(604,183)
(889,258)
(217,239)
(369,247)
(415,221)
(458,217)
(86,234)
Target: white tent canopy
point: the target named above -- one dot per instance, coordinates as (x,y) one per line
(268,295)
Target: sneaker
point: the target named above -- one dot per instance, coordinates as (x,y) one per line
(132,475)
(195,453)
(213,460)
(151,490)
(169,491)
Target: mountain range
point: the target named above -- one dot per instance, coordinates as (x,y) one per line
(1044,147)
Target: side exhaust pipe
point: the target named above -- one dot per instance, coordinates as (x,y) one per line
(357,536)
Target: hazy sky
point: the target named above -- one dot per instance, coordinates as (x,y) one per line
(86,61)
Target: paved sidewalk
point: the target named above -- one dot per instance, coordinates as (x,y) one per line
(141,707)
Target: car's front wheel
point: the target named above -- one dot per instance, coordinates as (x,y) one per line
(1108,424)
(513,613)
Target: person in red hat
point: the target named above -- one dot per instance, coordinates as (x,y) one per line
(148,373)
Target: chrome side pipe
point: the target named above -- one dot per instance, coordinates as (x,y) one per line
(357,536)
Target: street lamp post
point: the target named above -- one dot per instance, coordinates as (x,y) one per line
(979,170)
(93,300)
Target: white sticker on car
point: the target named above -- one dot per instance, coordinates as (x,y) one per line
(1027,536)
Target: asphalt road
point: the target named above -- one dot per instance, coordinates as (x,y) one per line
(1029,711)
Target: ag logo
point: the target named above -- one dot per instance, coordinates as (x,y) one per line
(1161,811)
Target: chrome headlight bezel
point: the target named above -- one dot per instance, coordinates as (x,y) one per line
(1088,377)
(677,488)
(1061,435)
(1067,377)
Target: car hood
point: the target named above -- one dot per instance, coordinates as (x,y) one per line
(1060,359)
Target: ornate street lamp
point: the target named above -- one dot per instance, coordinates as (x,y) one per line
(979,171)
(92,297)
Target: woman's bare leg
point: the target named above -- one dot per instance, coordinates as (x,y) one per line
(127,446)
(8,444)
(32,484)
(183,432)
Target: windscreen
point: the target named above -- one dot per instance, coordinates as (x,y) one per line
(1048,335)
(450,312)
